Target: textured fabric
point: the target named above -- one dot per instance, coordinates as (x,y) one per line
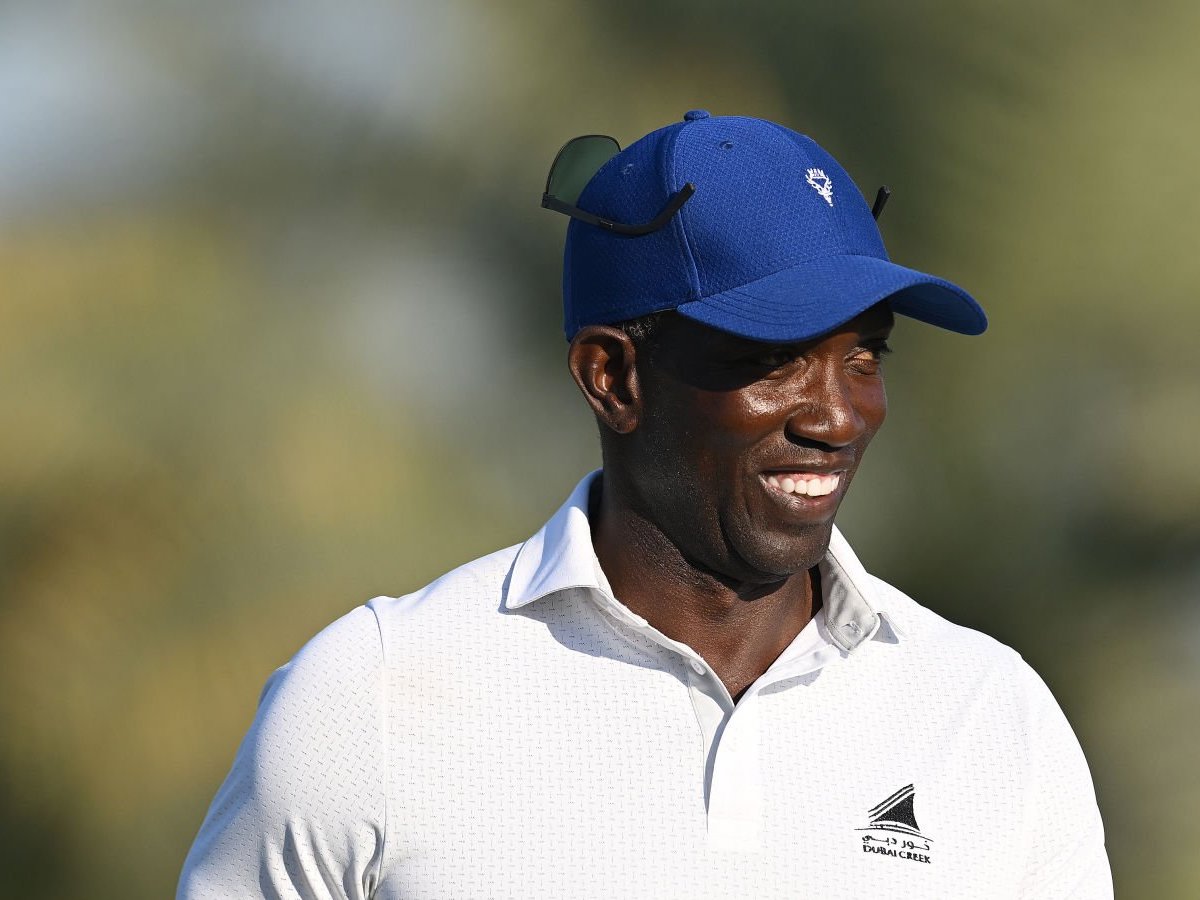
(512,730)
(777,243)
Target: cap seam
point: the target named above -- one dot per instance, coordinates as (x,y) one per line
(681,237)
(801,262)
(749,316)
(744,315)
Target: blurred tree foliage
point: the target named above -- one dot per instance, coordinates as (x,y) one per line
(279,331)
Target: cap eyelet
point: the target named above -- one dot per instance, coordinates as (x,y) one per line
(726,145)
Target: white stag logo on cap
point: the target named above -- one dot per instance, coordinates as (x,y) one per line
(821,184)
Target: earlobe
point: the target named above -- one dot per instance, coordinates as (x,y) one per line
(601,360)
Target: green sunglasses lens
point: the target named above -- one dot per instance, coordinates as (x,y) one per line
(576,163)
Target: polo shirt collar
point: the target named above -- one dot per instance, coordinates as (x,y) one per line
(854,611)
(561,557)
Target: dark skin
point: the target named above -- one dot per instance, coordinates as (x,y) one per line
(688,528)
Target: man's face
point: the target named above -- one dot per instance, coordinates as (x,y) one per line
(744,450)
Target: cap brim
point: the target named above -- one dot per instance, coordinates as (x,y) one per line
(808,300)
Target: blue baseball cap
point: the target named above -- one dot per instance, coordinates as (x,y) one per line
(776,244)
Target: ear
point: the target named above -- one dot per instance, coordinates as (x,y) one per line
(601,360)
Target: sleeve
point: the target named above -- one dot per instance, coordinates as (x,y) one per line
(302,813)
(1067,859)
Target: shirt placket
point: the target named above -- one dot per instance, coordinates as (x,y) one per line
(732,732)
(735,774)
(735,791)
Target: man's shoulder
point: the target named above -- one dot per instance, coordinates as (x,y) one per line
(934,638)
(953,667)
(471,591)
(425,629)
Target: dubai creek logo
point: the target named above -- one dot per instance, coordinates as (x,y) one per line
(821,184)
(893,831)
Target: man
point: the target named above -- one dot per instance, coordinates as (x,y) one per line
(685,685)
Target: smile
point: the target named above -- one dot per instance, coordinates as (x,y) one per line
(804,484)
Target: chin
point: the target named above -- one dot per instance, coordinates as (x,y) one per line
(785,555)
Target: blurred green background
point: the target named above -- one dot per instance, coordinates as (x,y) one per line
(279,331)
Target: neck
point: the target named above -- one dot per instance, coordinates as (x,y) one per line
(739,627)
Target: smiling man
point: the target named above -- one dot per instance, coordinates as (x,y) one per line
(685,684)
(725,460)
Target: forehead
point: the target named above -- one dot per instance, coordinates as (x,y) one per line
(687,353)
(681,335)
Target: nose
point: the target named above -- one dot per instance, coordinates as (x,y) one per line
(827,408)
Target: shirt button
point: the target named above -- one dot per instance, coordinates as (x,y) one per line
(698,669)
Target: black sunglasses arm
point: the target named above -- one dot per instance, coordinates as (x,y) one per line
(677,200)
(881,200)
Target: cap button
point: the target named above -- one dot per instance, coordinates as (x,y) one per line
(693,114)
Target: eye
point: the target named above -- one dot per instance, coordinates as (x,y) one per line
(770,362)
(868,359)
(774,357)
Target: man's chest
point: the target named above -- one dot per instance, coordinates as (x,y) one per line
(827,791)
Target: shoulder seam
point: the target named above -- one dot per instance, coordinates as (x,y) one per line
(385,743)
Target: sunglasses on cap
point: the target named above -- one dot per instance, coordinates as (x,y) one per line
(582,157)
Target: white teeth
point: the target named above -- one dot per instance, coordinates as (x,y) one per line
(820,486)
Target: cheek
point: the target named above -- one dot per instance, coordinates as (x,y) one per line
(717,416)
(750,409)
(729,423)
(704,437)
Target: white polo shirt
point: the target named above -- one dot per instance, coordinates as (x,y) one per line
(512,730)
